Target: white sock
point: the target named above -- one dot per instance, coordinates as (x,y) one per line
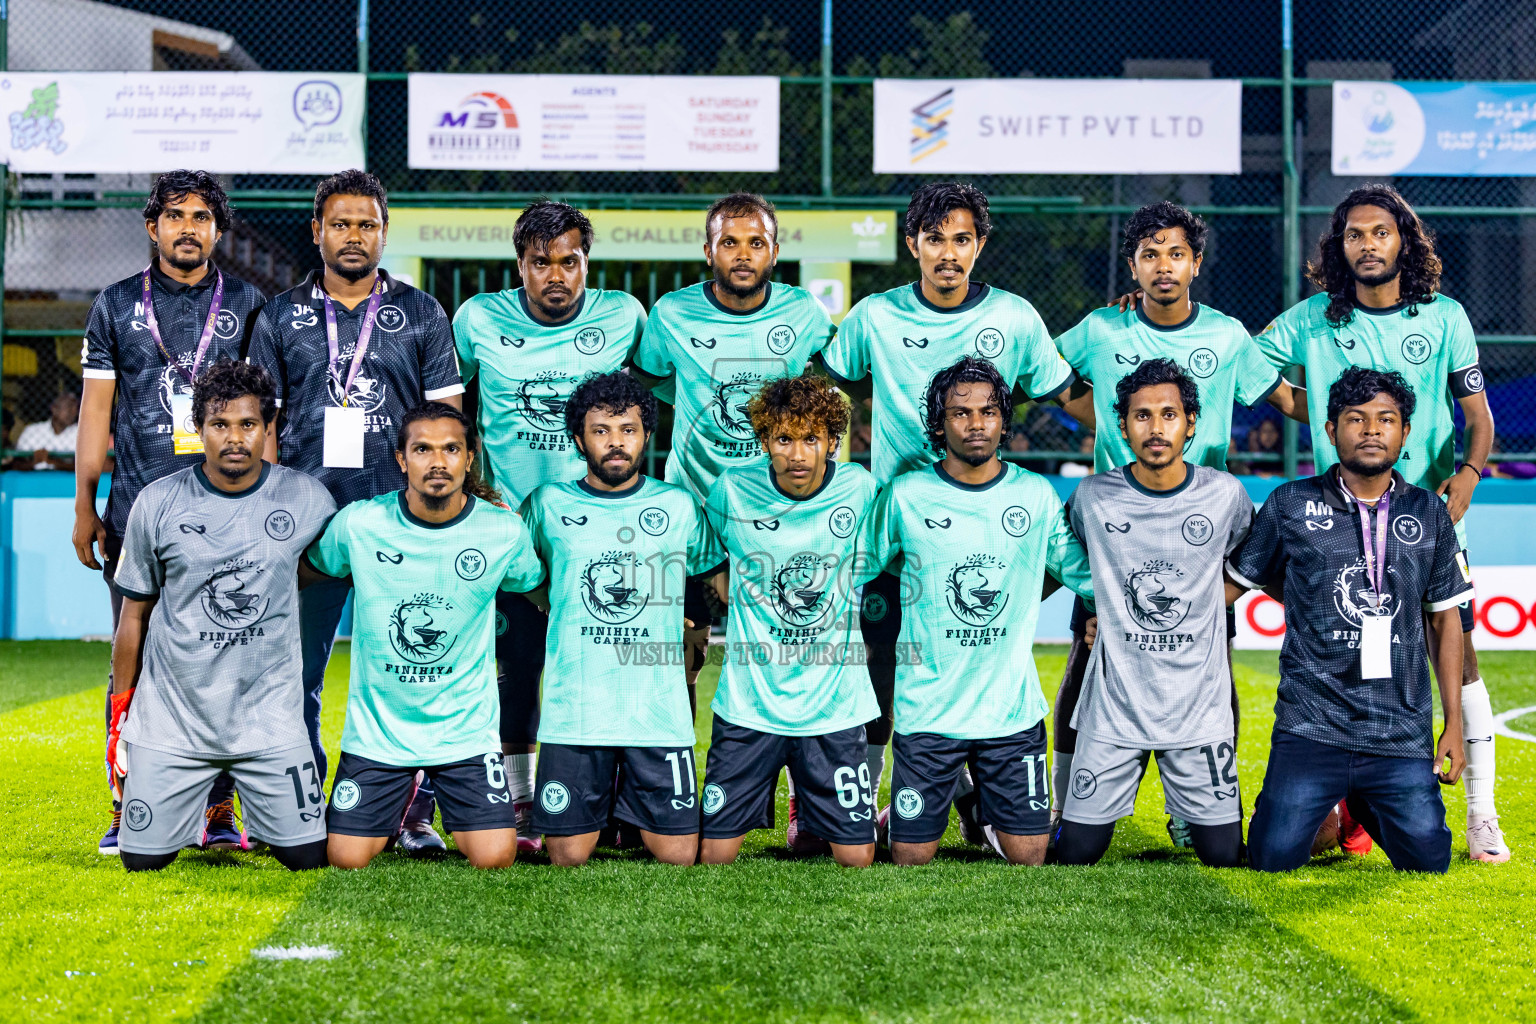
(1477,742)
(1061,777)
(876,761)
(965,785)
(520,771)
(789,777)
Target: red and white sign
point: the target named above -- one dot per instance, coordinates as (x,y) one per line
(1506,612)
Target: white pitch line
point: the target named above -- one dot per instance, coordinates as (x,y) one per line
(296,953)
(1501,729)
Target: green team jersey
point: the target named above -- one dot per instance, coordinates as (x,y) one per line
(528,368)
(718,359)
(794,661)
(975,559)
(1214,349)
(614,667)
(423,682)
(903,340)
(1435,350)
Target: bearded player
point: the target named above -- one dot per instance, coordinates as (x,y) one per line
(792,692)
(1379,306)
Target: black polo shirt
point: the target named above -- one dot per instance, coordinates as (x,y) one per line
(1307,535)
(118,347)
(410,360)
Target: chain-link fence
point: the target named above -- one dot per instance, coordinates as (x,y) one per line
(1055,236)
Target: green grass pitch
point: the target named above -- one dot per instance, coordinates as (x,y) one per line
(1149,935)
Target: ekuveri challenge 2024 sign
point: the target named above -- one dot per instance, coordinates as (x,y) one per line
(227,122)
(1450,129)
(594,122)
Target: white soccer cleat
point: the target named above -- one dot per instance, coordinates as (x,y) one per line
(1485,842)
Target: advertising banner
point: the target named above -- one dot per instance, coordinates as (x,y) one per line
(1506,613)
(594,122)
(227,122)
(1450,129)
(1057,126)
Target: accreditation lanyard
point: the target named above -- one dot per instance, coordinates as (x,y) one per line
(202,343)
(1376,546)
(364,333)
(1375,641)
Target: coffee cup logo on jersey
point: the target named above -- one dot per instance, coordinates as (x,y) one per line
(1057,126)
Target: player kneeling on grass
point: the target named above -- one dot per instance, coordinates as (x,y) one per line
(619,546)
(1365,558)
(977,536)
(214,551)
(1157,532)
(794,690)
(426,564)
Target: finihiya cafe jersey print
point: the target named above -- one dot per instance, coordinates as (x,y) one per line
(794,662)
(1158,676)
(613,665)
(120,347)
(221,670)
(718,359)
(1308,537)
(528,369)
(975,557)
(409,360)
(1213,348)
(423,683)
(1434,349)
(903,340)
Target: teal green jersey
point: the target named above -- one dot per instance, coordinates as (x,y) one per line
(1435,350)
(423,683)
(613,665)
(717,360)
(794,662)
(975,557)
(528,368)
(903,340)
(1214,349)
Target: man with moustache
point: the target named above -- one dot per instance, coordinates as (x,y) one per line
(529,346)
(147,339)
(352,349)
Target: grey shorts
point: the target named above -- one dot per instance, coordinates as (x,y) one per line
(165,797)
(1199,783)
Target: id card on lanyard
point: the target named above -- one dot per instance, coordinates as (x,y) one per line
(345,424)
(184,436)
(1376,620)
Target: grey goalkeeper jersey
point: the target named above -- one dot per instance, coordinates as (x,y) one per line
(221,674)
(1158,676)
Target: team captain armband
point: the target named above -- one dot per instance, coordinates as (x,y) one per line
(1467,381)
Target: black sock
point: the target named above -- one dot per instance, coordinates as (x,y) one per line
(1077,843)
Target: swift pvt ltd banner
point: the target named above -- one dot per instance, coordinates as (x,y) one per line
(1057,126)
(594,122)
(227,122)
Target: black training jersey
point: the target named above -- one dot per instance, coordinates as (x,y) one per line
(118,347)
(1308,536)
(410,360)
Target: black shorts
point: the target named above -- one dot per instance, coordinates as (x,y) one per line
(695,606)
(520,633)
(1468,611)
(880,610)
(370,798)
(833,789)
(657,790)
(1080,617)
(1013,783)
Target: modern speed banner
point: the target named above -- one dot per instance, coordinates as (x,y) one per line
(227,122)
(1451,129)
(594,122)
(1057,126)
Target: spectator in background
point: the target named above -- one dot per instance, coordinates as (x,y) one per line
(1018,439)
(1501,469)
(1263,439)
(48,440)
(1085,447)
(859,432)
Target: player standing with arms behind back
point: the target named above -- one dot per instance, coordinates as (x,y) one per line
(530,346)
(1158,532)
(899,339)
(1380,306)
(148,338)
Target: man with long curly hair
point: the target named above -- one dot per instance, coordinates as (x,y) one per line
(1379,306)
(794,687)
